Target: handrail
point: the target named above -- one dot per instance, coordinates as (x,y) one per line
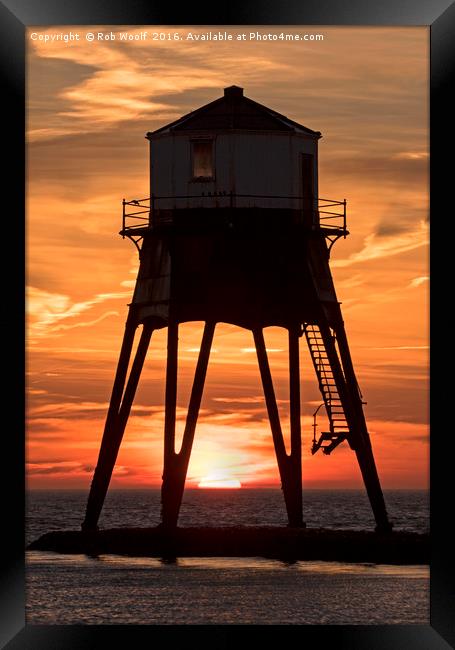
(149,205)
(211,195)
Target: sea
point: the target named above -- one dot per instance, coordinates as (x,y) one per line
(110,589)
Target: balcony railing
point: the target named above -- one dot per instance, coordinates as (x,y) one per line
(145,213)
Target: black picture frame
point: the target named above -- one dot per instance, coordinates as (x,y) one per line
(15,16)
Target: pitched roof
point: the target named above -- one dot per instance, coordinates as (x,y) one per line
(234,111)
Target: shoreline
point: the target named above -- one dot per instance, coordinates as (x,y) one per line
(399,547)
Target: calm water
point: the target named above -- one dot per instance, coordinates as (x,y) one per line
(63,589)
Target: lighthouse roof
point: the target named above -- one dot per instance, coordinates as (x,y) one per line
(234,111)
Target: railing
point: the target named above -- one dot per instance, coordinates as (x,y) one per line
(142,213)
(325,215)
(139,218)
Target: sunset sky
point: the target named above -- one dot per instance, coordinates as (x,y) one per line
(89,107)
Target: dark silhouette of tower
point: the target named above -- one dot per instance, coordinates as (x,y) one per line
(234,231)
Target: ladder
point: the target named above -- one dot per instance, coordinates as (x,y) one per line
(338,425)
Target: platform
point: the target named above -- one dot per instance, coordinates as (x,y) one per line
(290,544)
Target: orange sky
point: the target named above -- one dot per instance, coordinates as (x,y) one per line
(89,107)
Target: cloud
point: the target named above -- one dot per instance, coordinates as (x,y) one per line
(65,409)
(257,399)
(47,310)
(49,133)
(376,247)
(400,216)
(197,350)
(122,83)
(113,82)
(386,168)
(390,228)
(84,324)
(416,282)
(253,350)
(403,347)
(44,468)
(351,282)
(411,155)
(123,470)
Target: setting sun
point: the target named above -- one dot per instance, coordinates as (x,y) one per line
(219,479)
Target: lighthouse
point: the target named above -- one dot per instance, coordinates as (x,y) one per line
(234,231)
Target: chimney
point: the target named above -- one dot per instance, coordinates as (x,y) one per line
(233,92)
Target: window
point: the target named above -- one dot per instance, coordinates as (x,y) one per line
(202,155)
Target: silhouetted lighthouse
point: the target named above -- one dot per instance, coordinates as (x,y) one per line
(234,231)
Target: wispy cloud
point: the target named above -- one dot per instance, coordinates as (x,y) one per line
(416,282)
(402,347)
(83,324)
(256,399)
(47,310)
(253,350)
(411,155)
(379,247)
(123,86)
(67,468)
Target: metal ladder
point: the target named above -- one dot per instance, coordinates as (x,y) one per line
(338,425)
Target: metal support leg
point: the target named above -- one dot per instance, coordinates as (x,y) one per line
(361,442)
(116,421)
(365,458)
(176,465)
(292,488)
(169,468)
(295,459)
